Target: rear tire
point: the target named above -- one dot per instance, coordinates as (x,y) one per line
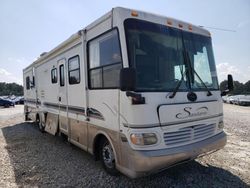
(37,120)
(107,157)
(26,117)
(41,126)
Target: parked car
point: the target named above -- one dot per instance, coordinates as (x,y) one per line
(18,100)
(6,103)
(21,101)
(231,99)
(224,99)
(243,100)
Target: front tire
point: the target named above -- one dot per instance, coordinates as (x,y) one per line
(107,157)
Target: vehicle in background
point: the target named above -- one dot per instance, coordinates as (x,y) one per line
(21,100)
(18,100)
(224,99)
(242,100)
(14,99)
(6,103)
(231,99)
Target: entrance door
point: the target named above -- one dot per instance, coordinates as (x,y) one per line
(62,97)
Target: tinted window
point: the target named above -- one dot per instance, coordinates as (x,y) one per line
(27,82)
(33,82)
(74,70)
(104,61)
(111,75)
(96,78)
(165,56)
(54,76)
(61,70)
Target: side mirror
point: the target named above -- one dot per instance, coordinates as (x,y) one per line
(230,85)
(127,79)
(230,82)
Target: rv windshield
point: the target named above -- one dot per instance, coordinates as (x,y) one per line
(159,54)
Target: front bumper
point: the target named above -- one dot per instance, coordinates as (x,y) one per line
(141,163)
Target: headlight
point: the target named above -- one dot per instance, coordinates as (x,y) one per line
(221,125)
(143,138)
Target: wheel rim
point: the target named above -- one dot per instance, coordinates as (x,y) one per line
(108,156)
(41,126)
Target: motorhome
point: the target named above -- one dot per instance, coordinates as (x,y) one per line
(137,90)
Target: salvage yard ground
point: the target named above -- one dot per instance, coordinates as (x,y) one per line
(29,158)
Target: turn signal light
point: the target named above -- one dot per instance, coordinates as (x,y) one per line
(134,13)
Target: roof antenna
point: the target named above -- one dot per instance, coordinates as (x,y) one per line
(216,28)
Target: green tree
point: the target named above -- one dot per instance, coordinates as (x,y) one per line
(223,85)
(239,88)
(10,89)
(247,87)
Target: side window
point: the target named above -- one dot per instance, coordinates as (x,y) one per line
(33,78)
(61,72)
(33,81)
(74,70)
(104,61)
(54,76)
(27,82)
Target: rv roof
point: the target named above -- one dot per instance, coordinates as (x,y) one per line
(127,13)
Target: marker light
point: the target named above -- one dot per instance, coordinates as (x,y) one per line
(169,22)
(134,13)
(190,27)
(180,25)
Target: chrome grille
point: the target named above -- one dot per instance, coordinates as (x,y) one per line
(189,134)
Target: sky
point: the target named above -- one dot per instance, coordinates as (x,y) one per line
(28,28)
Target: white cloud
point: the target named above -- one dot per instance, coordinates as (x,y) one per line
(4,72)
(6,76)
(20,60)
(13,69)
(226,68)
(223,69)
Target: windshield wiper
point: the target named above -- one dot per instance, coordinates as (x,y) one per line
(193,70)
(176,89)
(178,84)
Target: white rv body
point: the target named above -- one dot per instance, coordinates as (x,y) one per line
(183,129)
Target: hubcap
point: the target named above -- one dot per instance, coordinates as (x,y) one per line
(108,156)
(41,126)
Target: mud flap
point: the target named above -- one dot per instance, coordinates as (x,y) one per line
(51,123)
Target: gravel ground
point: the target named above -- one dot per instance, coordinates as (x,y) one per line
(29,158)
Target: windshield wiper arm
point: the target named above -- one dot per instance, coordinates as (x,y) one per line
(208,91)
(176,88)
(178,85)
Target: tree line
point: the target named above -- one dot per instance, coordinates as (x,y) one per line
(239,88)
(16,89)
(10,89)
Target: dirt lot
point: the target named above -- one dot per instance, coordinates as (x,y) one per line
(29,158)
